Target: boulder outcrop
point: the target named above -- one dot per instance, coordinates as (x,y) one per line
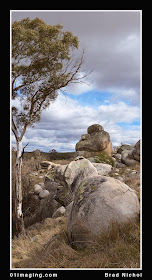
(98,202)
(136,151)
(97,140)
(102,168)
(77,170)
(84,190)
(74,173)
(132,156)
(45,209)
(124,147)
(48,164)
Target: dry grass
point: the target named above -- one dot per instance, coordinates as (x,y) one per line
(132,180)
(62,161)
(37,236)
(134,183)
(45,244)
(119,248)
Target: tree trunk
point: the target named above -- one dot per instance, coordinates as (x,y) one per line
(18,197)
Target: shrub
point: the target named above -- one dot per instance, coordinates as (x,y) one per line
(62,156)
(103,157)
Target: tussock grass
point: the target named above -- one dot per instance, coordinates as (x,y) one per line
(134,183)
(46,245)
(118,248)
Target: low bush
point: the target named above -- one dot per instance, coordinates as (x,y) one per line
(103,157)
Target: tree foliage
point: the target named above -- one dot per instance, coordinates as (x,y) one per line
(42,63)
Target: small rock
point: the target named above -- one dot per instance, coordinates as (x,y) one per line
(128,169)
(43,194)
(113,158)
(119,165)
(117,156)
(116,169)
(59,212)
(34,174)
(37,189)
(133,172)
(34,238)
(41,177)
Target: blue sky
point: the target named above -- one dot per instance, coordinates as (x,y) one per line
(94,98)
(110,95)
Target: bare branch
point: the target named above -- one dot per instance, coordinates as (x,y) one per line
(23,149)
(14,129)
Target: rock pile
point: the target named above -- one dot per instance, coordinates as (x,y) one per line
(96,141)
(85,193)
(92,195)
(129,155)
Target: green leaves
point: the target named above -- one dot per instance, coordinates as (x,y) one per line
(42,63)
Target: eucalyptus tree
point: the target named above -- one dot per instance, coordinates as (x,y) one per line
(43,62)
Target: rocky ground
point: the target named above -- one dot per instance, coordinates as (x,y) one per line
(48,216)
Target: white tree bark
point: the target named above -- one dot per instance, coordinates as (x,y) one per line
(19,222)
(18,200)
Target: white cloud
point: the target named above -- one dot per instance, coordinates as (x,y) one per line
(63,123)
(131,95)
(119,112)
(128,135)
(112,42)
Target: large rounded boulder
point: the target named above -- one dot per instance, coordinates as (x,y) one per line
(77,170)
(96,141)
(73,174)
(98,202)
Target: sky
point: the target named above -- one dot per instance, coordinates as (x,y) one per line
(109,96)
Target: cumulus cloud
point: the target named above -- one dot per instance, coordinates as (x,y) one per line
(119,112)
(112,51)
(63,123)
(112,43)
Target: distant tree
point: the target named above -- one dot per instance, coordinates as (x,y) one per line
(53,151)
(42,63)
